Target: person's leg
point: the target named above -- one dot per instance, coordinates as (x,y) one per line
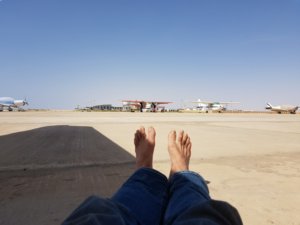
(144,194)
(142,198)
(189,200)
(185,187)
(96,211)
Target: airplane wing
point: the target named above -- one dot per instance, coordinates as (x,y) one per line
(203,102)
(160,103)
(226,103)
(208,104)
(211,103)
(132,101)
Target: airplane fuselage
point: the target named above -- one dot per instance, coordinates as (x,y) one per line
(206,106)
(282,108)
(213,108)
(10,103)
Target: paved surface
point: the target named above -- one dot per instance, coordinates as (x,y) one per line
(46,172)
(51,161)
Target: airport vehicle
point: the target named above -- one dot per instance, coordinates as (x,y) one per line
(144,106)
(10,103)
(205,106)
(282,108)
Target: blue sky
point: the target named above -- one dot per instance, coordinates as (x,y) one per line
(64,53)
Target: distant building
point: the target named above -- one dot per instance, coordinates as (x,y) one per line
(106,107)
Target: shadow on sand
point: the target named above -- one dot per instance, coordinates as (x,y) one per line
(45,173)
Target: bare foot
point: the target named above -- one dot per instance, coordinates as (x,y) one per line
(179,151)
(144,147)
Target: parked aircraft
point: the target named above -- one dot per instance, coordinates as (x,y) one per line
(144,106)
(10,103)
(282,108)
(205,106)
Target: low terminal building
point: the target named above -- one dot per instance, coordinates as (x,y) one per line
(106,107)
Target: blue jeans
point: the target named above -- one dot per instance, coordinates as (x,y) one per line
(148,198)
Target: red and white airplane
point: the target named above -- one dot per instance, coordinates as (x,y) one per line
(144,106)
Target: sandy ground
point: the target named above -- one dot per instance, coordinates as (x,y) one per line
(51,161)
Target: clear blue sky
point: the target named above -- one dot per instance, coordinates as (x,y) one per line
(64,53)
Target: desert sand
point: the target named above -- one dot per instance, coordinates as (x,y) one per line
(51,161)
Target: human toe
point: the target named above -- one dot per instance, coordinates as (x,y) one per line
(151,134)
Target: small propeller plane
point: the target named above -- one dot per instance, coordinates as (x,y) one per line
(144,106)
(282,108)
(10,103)
(206,106)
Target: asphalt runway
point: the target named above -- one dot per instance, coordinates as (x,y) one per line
(51,161)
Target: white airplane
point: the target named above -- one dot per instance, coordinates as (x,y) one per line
(282,108)
(144,106)
(10,103)
(205,106)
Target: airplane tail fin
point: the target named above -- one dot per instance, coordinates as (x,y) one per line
(199,102)
(269,105)
(25,101)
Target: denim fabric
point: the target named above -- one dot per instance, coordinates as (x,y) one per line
(189,203)
(99,211)
(186,188)
(148,198)
(145,195)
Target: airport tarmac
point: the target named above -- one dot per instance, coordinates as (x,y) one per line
(51,161)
